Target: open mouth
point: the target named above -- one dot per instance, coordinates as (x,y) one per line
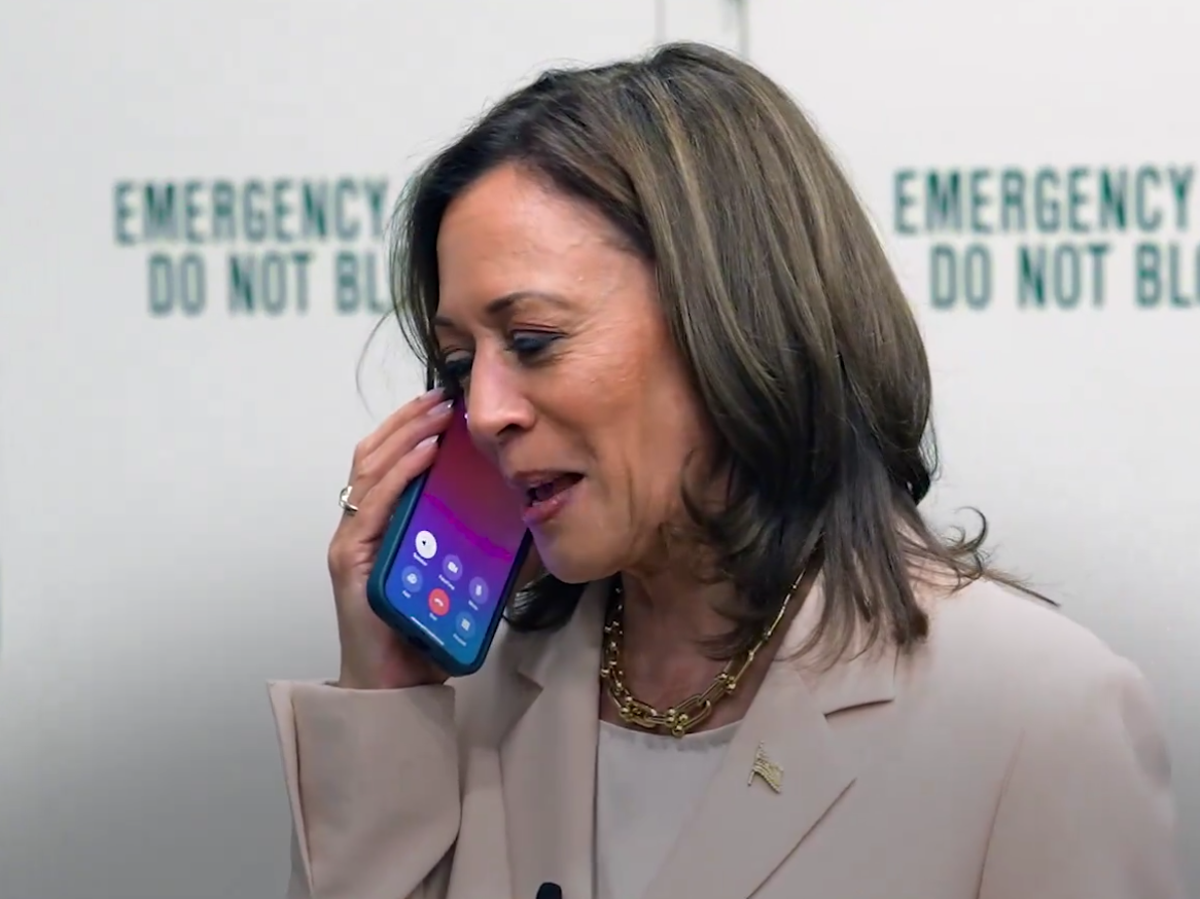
(547,490)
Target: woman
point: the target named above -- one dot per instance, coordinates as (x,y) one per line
(652,277)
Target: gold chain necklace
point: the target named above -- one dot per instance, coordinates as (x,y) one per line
(687,715)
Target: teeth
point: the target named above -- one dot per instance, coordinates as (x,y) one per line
(543,491)
(546,489)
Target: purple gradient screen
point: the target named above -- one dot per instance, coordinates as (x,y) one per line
(458,549)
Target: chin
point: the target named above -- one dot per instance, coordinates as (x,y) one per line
(574,564)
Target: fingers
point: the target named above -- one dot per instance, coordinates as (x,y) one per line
(386,461)
(413,409)
(378,453)
(403,437)
(376,507)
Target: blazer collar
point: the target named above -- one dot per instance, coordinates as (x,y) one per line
(742,829)
(860,678)
(552,752)
(863,676)
(548,655)
(548,759)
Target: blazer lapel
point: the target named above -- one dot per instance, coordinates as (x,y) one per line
(742,828)
(548,759)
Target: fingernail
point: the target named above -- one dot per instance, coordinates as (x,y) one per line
(441,408)
(427,442)
(434,394)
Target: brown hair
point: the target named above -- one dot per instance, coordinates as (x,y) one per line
(800,342)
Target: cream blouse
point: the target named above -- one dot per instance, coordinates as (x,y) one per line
(646,787)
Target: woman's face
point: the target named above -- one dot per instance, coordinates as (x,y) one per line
(573,384)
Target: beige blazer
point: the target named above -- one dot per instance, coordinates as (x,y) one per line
(1013,756)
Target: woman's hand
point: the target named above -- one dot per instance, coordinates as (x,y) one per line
(374,657)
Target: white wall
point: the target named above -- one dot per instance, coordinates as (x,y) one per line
(1077,431)
(168,483)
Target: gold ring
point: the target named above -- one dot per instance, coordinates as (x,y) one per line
(348,507)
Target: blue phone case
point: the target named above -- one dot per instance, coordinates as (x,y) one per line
(389,547)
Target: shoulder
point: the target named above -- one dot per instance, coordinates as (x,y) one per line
(487,701)
(1087,768)
(992,628)
(1023,659)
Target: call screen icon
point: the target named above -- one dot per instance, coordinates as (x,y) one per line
(439,601)
(426,545)
(478,590)
(411,579)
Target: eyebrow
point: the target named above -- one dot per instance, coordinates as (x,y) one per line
(502,304)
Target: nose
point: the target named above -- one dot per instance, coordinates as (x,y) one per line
(496,407)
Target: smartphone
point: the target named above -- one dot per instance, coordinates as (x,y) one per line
(449,561)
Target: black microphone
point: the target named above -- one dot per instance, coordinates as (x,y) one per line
(549,891)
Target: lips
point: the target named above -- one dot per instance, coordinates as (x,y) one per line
(546,495)
(545,487)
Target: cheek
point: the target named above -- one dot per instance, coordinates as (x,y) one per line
(656,428)
(622,392)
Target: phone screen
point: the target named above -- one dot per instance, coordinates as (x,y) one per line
(456,557)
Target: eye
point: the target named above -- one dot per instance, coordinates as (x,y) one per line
(528,344)
(454,368)
(454,371)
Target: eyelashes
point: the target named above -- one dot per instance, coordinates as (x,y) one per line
(453,373)
(528,346)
